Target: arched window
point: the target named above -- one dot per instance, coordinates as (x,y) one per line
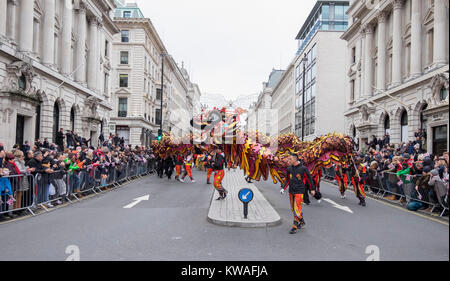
(443,93)
(404,126)
(55,119)
(22,82)
(387,125)
(72,119)
(423,119)
(354,132)
(37,132)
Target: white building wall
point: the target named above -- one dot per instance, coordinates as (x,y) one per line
(330,95)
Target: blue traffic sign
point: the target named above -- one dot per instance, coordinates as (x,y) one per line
(245,195)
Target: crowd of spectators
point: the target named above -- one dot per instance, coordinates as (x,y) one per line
(407,171)
(55,162)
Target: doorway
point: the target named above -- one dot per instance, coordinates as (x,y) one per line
(20,126)
(440,140)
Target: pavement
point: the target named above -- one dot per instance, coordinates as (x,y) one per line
(230,212)
(172,225)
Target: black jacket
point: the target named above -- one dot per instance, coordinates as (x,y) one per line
(59,138)
(219,162)
(297,176)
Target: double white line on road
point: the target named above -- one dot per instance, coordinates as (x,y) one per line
(137,201)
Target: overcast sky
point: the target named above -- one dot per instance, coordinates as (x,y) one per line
(229,46)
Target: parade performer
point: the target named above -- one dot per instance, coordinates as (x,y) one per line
(218,166)
(178,164)
(168,166)
(188,167)
(358,173)
(295,180)
(209,168)
(342,179)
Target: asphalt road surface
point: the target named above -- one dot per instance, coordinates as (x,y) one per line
(172,225)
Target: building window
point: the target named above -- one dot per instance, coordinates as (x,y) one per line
(354,55)
(123,57)
(339,12)
(325,12)
(72,119)
(443,94)
(352,90)
(404,126)
(22,83)
(106,85)
(158,94)
(123,81)
(387,125)
(125,36)
(430,47)
(127,14)
(106,48)
(55,119)
(123,107)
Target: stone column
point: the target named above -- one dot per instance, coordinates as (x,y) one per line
(66,58)
(358,73)
(80,75)
(37,38)
(416,38)
(381,70)
(48,36)
(26,27)
(100,53)
(368,61)
(11,29)
(440,33)
(92,54)
(3,20)
(397,44)
(362,63)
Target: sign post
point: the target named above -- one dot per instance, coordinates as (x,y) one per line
(246,196)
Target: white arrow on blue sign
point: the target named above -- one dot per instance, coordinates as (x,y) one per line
(245,195)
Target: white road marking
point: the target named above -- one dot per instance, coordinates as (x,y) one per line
(137,201)
(336,205)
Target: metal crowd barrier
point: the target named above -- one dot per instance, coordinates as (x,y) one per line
(21,188)
(67,185)
(380,186)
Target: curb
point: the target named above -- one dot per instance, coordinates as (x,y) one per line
(249,224)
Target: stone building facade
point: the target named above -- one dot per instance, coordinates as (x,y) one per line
(397,71)
(283,101)
(55,67)
(138,53)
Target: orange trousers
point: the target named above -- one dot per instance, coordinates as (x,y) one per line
(296,207)
(218,177)
(188,171)
(178,170)
(343,183)
(208,175)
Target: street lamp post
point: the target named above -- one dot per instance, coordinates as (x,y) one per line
(304,60)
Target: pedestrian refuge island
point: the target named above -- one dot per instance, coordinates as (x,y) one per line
(230,212)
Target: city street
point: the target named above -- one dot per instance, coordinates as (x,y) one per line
(172,225)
